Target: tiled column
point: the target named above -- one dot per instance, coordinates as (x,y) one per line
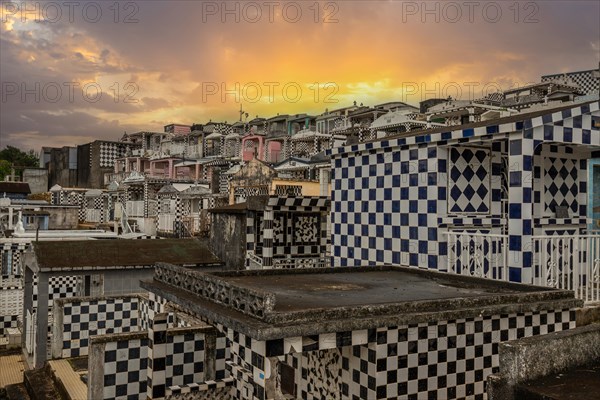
(146,199)
(325,235)
(286,149)
(520,208)
(268,239)
(249,366)
(157,218)
(250,235)
(157,355)
(178,216)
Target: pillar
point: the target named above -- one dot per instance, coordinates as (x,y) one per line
(520,208)
(146,200)
(157,355)
(268,238)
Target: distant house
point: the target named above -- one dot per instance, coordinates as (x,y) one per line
(257,178)
(14,190)
(588,81)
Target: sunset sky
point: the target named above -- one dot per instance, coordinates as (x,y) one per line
(146,64)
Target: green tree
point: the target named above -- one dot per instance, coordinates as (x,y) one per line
(19,158)
(5,168)
(13,157)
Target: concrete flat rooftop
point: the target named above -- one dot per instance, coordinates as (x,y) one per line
(311,301)
(360,288)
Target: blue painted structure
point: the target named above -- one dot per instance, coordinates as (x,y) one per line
(394,199)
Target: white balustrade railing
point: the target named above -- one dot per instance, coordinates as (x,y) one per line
(301,262)
(92,215)
(124,218)
(135,208)
(166,222)
(568,262)
(481,255)
(256,262)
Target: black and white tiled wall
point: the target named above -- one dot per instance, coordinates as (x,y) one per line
(390,197)
(443,359)
(125,369)
(82,319)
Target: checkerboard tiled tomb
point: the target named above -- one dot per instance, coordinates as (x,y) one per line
(395,200)
(78,319)
(289,232)
(175,356)
(323,341)
(439,359)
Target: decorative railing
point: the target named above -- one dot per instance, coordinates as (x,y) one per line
(245,300)
(301,262)
(288,190)
(123,218)
(120,176)
(92,215)
(256,262)
(166,222)
(135,208)
(478,254)
(568,262)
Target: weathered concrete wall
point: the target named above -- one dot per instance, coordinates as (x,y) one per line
(126,281)
(255,173)
(83,165)
(228,239)
(62,217)
(89,172)
(539,356)
(37,178)
(59,171)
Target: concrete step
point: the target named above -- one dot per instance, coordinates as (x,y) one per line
(40,386)
(67,380)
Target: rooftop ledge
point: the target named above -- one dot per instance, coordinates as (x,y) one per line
(271,304)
